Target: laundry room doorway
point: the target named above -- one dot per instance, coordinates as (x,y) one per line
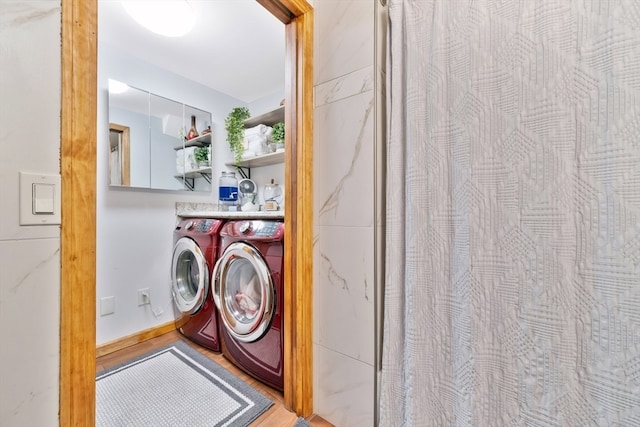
(78,228)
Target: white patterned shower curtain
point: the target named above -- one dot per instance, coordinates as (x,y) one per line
(512,289)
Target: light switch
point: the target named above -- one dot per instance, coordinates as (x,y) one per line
(39,199)
(43,195)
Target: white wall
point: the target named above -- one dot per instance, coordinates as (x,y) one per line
(344,229)
(29,255)
(266,104)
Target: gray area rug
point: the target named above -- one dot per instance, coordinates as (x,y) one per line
(175,386)
(301,422)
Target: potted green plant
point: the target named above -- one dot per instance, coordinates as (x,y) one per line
(234,124)
(201,155)
(277,134)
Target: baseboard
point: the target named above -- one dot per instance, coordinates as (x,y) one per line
(136,338)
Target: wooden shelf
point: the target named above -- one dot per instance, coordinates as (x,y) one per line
(263,160)
(199,141)
(188,178)
(270,118)
(196,173)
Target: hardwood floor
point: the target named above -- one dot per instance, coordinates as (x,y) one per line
(276,416)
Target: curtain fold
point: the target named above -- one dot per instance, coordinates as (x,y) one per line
(512,288)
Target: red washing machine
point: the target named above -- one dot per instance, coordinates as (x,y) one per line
(195,251)
(248,292)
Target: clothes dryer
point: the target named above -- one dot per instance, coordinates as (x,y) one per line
(249,295)
(195,251)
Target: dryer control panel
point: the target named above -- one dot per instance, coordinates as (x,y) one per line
(268,229)
(255,229)
(204,225)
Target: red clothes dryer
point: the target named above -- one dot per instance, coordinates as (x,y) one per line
(195,251)
(248,292)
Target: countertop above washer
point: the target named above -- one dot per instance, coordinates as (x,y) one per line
(209,210)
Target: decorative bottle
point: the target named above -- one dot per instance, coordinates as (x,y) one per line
(193,133)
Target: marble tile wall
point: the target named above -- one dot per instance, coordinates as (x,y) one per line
(344,172)
(29,255)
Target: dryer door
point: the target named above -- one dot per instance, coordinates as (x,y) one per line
(244,292)
(189,276)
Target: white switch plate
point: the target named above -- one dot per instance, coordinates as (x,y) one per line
(29,182)
(107,305)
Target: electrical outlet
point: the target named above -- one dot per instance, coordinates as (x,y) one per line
(107,305)
(143,297)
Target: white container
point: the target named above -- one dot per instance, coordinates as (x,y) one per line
(228,192)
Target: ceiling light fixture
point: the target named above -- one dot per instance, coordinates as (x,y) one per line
(171,18)
(116,87)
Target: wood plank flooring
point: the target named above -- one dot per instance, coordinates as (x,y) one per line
(276,416)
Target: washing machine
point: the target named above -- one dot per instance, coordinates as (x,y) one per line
(248,292)
(195,252)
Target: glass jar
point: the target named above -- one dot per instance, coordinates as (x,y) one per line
(227,192)
(272,196)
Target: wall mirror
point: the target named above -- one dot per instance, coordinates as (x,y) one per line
(148,145)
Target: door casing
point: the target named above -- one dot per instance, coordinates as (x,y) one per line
(78,226)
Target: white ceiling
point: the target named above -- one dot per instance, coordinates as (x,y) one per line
(236,46)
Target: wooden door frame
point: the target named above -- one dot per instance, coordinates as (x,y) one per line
(124,153)
(78,228)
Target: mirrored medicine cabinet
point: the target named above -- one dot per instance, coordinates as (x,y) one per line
(148,145)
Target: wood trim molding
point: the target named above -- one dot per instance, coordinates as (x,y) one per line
(297,8)
(78,227)
(286,10)
(277,9)
(298,393)
(298,262)
(125,153)
(136,338)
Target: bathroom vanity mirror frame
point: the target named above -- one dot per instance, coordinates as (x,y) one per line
(78,227)
(155,155)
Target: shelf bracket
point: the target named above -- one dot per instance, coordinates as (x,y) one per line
(244,172)
(206,176)
(189,183)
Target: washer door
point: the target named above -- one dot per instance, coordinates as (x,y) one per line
(189,276)
(244,292)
